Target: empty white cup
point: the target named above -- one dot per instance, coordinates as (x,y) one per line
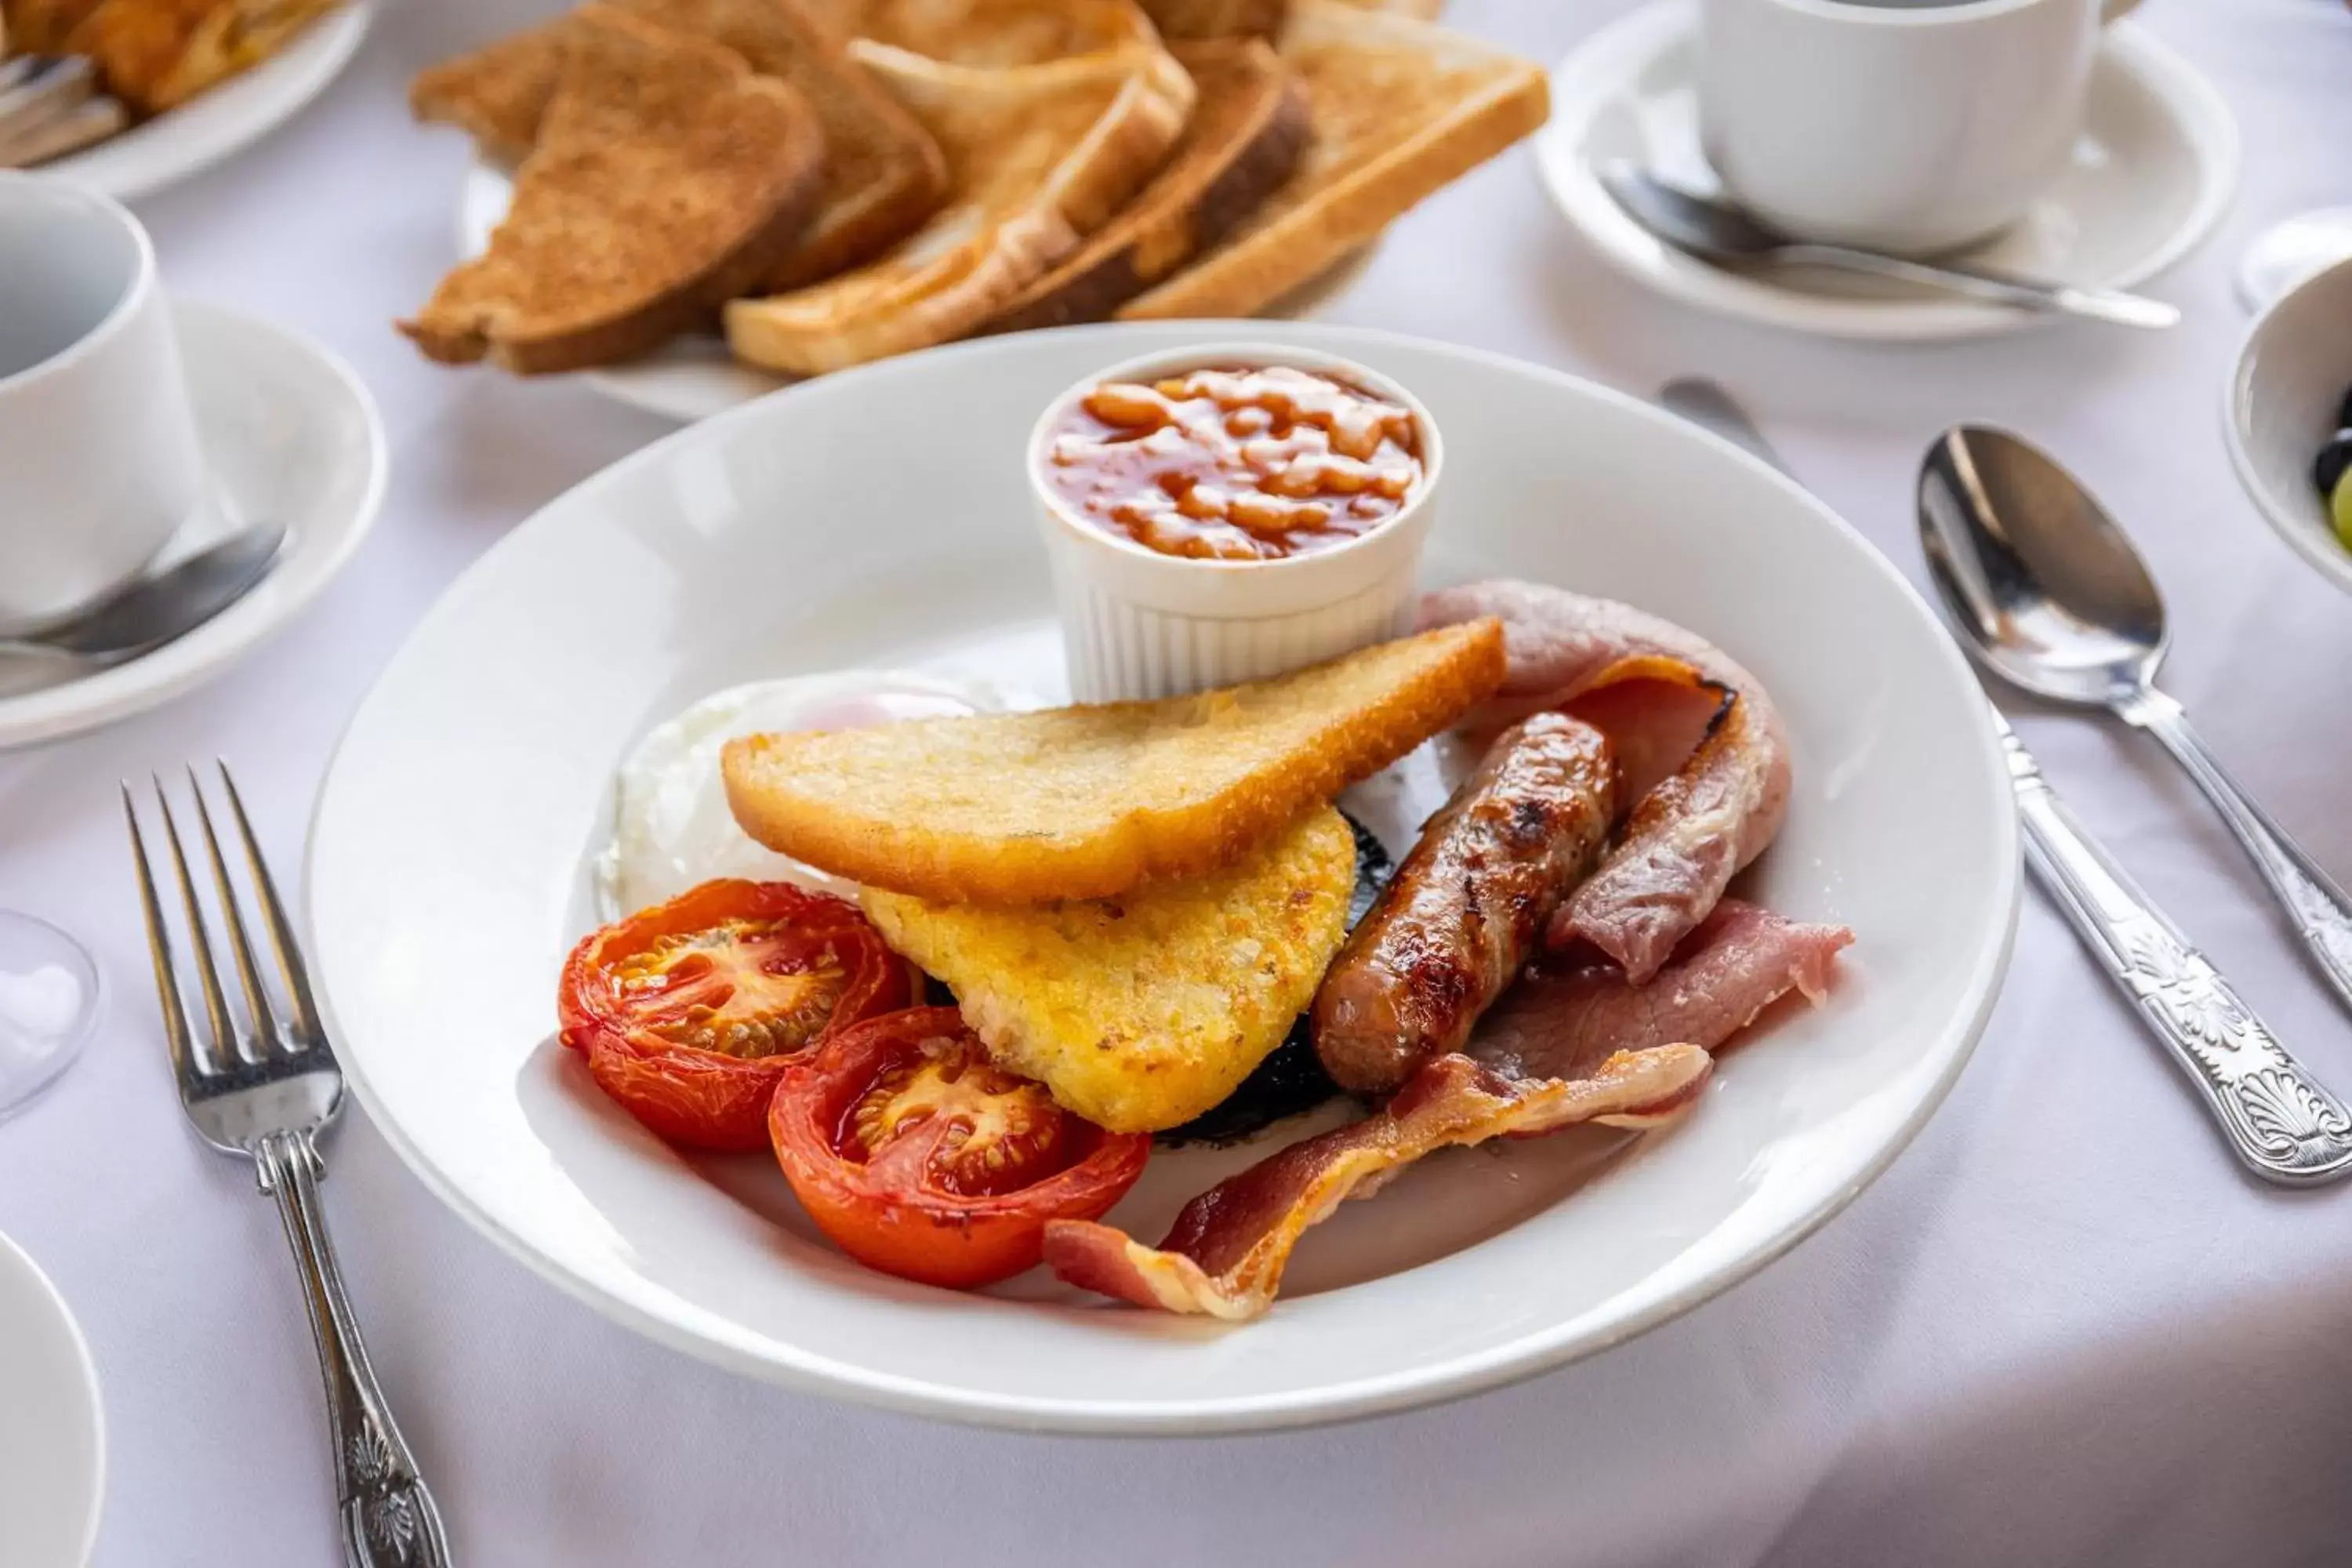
(1912,126)
(99,459)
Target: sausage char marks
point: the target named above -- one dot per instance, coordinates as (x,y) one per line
(1468,905)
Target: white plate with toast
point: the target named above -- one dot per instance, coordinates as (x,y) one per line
(2151,176)
(226,120)
(826,531)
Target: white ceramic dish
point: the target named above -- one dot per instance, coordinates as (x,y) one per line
(290,436)
(2150,177)
(52,1427)
(2283,396)
(694,376)
(809,531)
(212,126)
(1136,623)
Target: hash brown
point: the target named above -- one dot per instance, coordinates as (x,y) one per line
(1142,1012)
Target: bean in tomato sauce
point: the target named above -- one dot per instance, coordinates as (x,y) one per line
(1237,463)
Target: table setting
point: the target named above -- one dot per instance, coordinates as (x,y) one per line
(823,731)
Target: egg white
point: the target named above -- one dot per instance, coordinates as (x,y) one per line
(672,828)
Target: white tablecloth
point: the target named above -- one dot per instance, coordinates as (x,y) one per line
(2061,1330)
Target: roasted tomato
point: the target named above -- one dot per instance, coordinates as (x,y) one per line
(923,1160)
(687,1012)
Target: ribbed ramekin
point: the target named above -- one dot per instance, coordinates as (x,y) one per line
(1139,624)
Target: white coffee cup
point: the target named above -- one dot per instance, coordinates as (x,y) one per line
(1915,126)
(98,459)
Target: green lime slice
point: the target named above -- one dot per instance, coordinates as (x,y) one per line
(2339,509)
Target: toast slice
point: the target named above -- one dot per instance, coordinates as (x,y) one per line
(1217,18)
(1038,158)
(1247,132)
(666,177)
(1138,1013)
(1400,109)
(1004,32)
(1091,801)
(883,174)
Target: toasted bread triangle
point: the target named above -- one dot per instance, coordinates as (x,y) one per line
(1091,802)
(665,178)
(1400,110)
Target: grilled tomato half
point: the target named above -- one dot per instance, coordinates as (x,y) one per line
(922,1159)
(689,1012)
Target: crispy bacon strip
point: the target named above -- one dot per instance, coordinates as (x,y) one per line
(1691,833)
(1226,1254)
(1582,1048)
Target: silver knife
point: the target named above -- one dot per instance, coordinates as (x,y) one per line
(2281,1123)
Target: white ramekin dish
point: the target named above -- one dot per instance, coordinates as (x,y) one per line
(2285,394)
(1139,624)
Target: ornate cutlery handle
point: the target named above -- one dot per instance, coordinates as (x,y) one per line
(2278,1120)
(389,1520)
(2322,914)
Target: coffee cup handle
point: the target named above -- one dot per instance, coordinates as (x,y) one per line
(2115,10)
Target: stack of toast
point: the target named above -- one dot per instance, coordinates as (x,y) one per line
(831,182)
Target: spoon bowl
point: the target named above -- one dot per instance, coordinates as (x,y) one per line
(148,612)
(2042,586)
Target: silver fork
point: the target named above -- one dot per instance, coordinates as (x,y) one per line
(266,1092)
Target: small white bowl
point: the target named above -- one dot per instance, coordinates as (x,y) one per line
(2283,398)
(1139,624)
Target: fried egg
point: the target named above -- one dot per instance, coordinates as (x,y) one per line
(672,828)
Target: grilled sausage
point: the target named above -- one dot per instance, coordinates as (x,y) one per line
(1466,908)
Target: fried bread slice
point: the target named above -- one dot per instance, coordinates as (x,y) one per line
(1401,109)
(1142,1012)
(1248,130)
(883,174)
(666,177)
(1038,158)
(1092,802)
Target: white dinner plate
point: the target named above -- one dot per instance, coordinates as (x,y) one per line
(693,376)
(880,517)
(214,125)
(291,438)
(2150,177)
(52,1431)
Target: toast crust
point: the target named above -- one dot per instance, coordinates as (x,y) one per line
(1091,801)
(1373,156)
(1039,157)
(666,179)
(1248,130)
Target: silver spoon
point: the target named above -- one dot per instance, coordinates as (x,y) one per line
(1715,232)
(148,612)
(2046,591)
(2281,1123)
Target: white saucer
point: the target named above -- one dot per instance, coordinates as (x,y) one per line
(292,438)
(693,378)
(207,129)
(2150,177)
(52,1428)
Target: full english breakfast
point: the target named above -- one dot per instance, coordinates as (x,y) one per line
(1150,920)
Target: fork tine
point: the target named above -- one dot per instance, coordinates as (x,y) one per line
(184,1060)
(225,1052)
(257,996)
(282,930)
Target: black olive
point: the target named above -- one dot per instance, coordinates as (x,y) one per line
(2344,410)
(2333,460)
